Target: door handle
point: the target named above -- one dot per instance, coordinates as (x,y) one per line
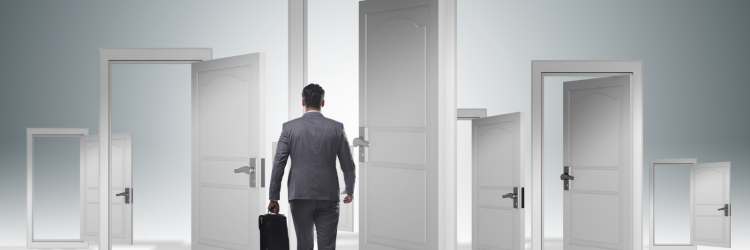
(126,194)
(566,177)
(250,170)
(726,209)
(513,196)
(360,142)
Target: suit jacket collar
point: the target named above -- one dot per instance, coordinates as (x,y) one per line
(311,114)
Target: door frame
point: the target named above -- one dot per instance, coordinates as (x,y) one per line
(541,68)
(665,161)
(47,132)
(108,57)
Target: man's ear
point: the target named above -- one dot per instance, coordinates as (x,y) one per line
(322,103)
(303,102)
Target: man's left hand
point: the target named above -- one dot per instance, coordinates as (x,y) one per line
(348,198)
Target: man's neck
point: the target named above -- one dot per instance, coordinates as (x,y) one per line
(312,109)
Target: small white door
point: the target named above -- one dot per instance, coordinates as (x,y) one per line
(597,148)
(346,211)
(228,99)
(122,183)
(711,204)
(498,182)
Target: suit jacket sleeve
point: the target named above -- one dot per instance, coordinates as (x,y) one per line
(279,163)
(346,162)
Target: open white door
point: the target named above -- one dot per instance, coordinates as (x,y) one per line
(408,116)
(498,182)
(346,211)
(122,183)
(711,204)
(228,100)
(597,157)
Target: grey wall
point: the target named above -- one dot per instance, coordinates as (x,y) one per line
(694,62)
(50,71)
(694,55)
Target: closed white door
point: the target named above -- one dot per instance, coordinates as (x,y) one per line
(228,99)
(597,153)
(408,116)
(498,182)
(122,184)
(711,204)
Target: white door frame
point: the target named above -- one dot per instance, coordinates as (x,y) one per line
(539,69)
(108,57)
(652,169)
(46,132)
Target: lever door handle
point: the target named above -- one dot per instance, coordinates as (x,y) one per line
(513,196)
(244,169)
(126,194)
(726,209)
(566,177)
(360,142)
(250,170)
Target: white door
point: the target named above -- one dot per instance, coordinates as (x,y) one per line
(228,144)
(408,116)
(711,204)
(498,182)
(346,211)
(122,184)
(597,153)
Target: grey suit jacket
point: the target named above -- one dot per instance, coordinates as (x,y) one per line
(313,142)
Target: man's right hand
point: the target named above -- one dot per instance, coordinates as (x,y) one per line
(273,207)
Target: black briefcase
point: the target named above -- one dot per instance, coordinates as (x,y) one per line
(273,232)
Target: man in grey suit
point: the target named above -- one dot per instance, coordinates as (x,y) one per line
(313,142)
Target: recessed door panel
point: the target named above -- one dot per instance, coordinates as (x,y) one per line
(597,152)
(498,184)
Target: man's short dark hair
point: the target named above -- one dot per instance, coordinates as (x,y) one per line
(313,94)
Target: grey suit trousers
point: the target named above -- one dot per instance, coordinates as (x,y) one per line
(322,214)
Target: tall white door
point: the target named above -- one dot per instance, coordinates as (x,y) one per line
(498,182)
(408,116)
(711,204)
(122,188)
(597,153)
(228,99)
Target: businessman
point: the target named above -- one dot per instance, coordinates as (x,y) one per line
(313,142)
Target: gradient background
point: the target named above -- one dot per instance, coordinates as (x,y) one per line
(694,52)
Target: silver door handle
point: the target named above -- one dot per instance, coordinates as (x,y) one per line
(360,142)
(126,194)
(244,169)
(250,170)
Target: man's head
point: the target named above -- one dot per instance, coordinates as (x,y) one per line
(312,97)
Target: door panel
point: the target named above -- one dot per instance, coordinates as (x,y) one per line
(228,134)
(122,170)
(711,204)
(497,170)
(597,148)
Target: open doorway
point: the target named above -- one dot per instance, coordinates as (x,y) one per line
(219,119)
(586,154)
